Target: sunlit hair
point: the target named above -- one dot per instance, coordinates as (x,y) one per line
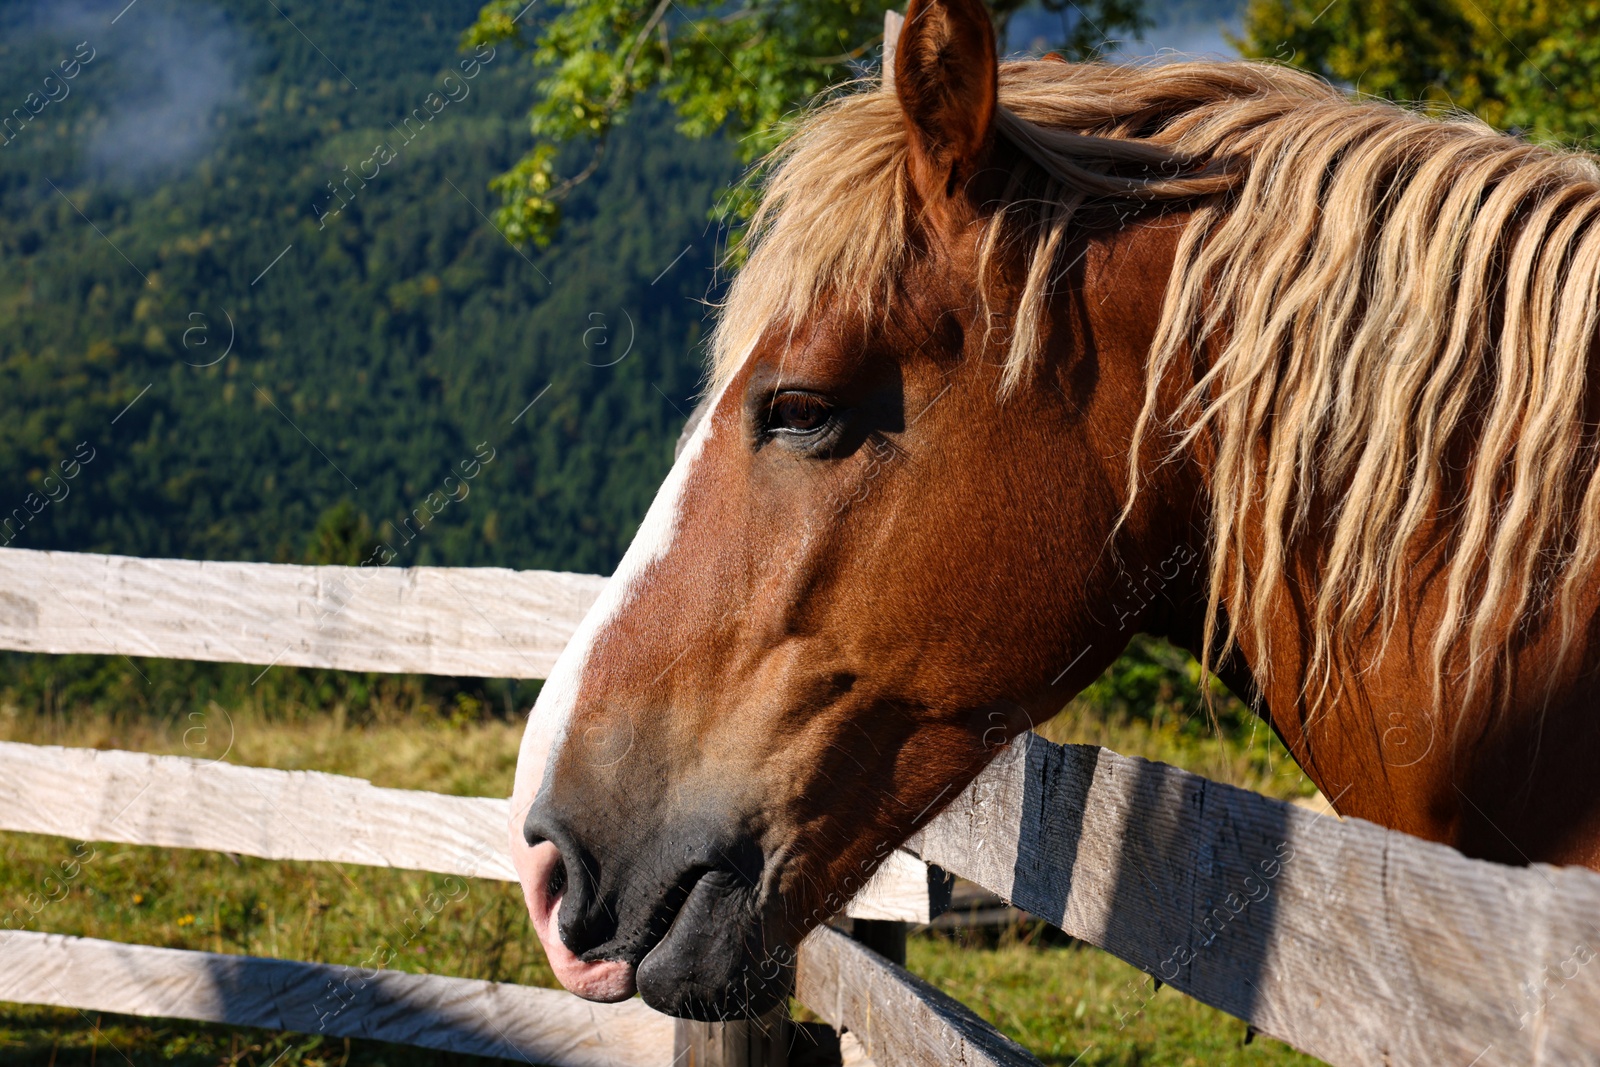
(1393,315)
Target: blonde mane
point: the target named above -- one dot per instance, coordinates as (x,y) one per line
(1377,294)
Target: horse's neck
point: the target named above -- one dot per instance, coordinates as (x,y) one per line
(1508,776)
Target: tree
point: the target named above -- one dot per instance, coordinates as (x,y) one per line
(1526,66)
(343,537)
(737,69)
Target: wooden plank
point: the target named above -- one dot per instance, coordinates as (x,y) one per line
(892,23)
(1351,942)
(139,799)
(177,802)
(481,622)
(536,1026)
(760,1042)
(475,622)
(903,889)
(899,1020)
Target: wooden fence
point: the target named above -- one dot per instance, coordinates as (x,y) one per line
(460,622)
(1348,941)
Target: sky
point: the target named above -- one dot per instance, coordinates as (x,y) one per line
(1191,27)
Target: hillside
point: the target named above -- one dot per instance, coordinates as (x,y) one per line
(143,213)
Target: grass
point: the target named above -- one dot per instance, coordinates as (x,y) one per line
(1254,760)
(1067,1003)
(1071,1004)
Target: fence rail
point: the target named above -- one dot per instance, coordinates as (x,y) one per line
(469,623)
(900,1020)
(135,798)
(178,802)
(1354,943)
(474,622)
(427,1010)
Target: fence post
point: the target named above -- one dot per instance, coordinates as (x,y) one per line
(762,1042)
(886,937)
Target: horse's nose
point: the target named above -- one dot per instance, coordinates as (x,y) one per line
(570,878)
(559,883)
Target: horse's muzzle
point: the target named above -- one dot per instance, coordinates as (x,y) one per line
(676,916)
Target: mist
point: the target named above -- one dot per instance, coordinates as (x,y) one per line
(164,76)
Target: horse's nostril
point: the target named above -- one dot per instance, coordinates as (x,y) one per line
(567,877)
(558,879)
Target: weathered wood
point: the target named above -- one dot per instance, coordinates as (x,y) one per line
(535,1026)
(903,889)
(892,22)
(1351,942)
(178,802)
(481,622)
(899,1020)
(760,1042)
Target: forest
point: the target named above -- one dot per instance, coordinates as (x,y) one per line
(252,308)
(241,296)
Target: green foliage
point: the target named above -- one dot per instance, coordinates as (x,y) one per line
(388,343)
(1156,682)
(738,71)
(343,537)
(1557,92)
(1148,703)
(1530,66)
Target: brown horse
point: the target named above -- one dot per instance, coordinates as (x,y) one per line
(1026,358)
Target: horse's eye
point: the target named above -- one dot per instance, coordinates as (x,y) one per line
(798,413)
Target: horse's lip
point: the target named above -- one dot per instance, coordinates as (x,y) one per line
(711,964)
(662,921)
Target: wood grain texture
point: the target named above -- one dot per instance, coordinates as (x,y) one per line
(1351,942)
(762,1042)
(479,622)
(899,1020)
(903,889)
(536,1026)
(178,802)
(892,23)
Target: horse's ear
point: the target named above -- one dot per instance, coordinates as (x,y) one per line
(947,78)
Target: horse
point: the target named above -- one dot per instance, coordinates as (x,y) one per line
(1026,357)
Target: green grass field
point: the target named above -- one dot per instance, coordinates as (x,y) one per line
(1066,1002)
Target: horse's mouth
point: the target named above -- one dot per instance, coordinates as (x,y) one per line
(700,955)
(710,961)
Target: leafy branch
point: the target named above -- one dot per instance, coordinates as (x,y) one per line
(738,70)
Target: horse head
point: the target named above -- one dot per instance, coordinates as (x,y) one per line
(877,559)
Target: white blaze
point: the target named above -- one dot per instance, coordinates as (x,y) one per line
(551,718)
